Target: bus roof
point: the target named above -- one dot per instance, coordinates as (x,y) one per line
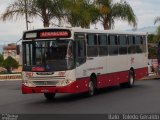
(94,31)
(109,31)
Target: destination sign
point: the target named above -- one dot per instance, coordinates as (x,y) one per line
(54,34)
(46,33)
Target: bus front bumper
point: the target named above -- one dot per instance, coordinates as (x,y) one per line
(66,89)
(75,87)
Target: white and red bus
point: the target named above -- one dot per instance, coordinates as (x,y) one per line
(66,60)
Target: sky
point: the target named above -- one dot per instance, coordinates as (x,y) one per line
(145,10)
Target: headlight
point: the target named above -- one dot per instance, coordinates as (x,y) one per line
(28,83)
(64,82)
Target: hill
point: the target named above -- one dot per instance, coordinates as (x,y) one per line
(149,29)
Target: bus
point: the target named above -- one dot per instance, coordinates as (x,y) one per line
(71,60)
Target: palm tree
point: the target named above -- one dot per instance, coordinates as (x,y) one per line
(45,9)
(157,20)
(157,35)
(109,12)
(80,13)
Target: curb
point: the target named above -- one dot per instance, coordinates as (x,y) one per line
(10,77)
(151,77)
(11,80)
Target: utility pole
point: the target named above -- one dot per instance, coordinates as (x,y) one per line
(26,14)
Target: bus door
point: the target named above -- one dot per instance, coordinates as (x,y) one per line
(81,71)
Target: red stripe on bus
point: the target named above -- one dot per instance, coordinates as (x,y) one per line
(81,84)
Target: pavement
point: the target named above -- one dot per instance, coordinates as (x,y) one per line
(143,98)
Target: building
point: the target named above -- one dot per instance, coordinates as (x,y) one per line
(11,50)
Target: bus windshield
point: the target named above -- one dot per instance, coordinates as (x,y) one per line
(53,55)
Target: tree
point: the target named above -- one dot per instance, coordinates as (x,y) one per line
(151,38)
(157,20)
(80,13)
(45,9)
(152,52)
(10,63)
(109,12)
(157,36)
(1,60)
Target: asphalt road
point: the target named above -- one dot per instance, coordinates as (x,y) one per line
(143,98)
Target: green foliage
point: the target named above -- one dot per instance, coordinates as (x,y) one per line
(151,38)
(116,11)
(1,60)
(152,53)
(45,9)
(157,36)
(16,9)
(10,63)
(157,20)
(81,13)
(76,12)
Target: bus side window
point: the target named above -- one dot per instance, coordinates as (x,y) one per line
(103,45)
(139,44)
(92,49)
(144,44)
(80,52)
(122,44)
(131,45)
(113,45)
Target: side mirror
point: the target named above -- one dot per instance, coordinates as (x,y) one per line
(18,49)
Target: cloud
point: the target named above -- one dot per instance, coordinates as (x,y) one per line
(145,10)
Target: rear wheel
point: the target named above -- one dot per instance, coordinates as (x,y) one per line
(49,96)
(130,82)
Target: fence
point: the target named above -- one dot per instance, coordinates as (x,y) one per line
(11,77)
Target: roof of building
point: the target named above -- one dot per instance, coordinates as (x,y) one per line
(10,47)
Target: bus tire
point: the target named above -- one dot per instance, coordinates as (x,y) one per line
(91,88)
(49,96)
(130,82)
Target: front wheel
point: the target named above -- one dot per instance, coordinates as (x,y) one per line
(49,96)
(91,88)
